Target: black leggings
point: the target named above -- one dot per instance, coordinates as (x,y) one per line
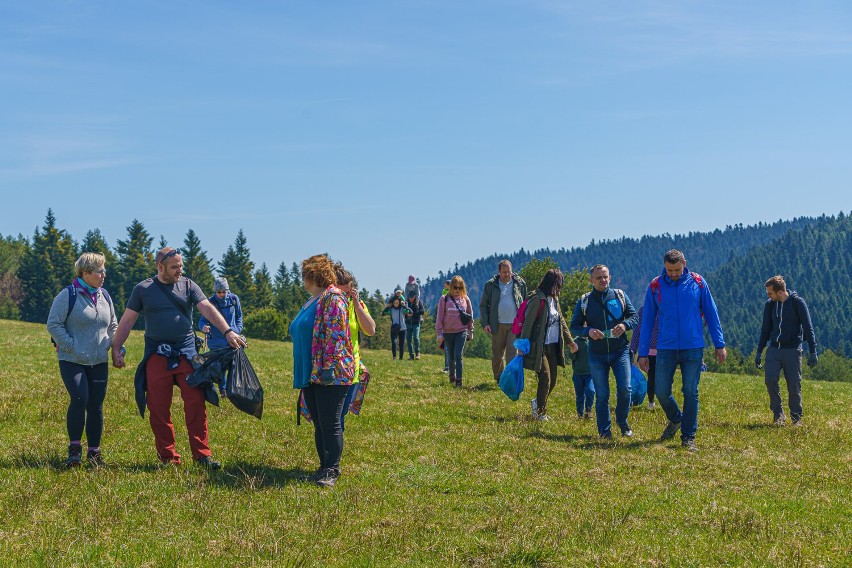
(398,337)
(86,386)
(326,405)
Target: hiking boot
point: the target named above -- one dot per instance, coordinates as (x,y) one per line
(75,455)
(780,420)
(627,432)
(689,444)
(417,356)
(542,417)
(534,406)
(797,422)
(327,477)
(446,370)
(458,383)
(670,431)
(411,357)
(651,405)
(587,415)
(94,458)
(209,463)
(606,436)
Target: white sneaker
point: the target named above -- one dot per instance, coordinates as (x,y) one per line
(651,405)
(534,405)
(542,417)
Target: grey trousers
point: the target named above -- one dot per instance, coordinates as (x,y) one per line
(790,361)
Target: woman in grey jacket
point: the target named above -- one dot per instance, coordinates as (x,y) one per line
(82,323)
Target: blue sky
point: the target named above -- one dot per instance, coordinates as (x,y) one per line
(403,137)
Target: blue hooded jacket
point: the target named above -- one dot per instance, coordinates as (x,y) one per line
(229,307)
(678,306)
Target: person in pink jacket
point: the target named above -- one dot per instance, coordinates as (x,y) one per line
(454,326)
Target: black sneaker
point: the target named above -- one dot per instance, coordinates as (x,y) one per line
(94,458)
(606,436)
(75,455)
(670,431)
(209,463)
(689,444)
(327,477)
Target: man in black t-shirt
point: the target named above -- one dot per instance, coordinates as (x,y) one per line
(166,300)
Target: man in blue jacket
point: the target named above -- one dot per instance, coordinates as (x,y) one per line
(604,315)
(681,302)
(228,304)
(786,321)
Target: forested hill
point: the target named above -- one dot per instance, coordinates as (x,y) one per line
(816,262)
(632,262)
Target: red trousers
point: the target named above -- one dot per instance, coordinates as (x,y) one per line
(161,381)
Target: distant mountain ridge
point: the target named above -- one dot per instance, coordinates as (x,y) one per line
(634,262)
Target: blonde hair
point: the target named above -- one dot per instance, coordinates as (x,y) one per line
(89,262)
(319,270)
(458,281)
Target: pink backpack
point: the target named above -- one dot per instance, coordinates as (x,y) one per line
(518,322)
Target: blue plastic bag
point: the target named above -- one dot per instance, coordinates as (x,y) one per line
(512,378)
(638,386)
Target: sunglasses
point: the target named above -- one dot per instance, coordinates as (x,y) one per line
(457,287)
(171,253)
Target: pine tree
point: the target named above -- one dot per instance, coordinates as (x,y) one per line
(94,241)
(237,267)
(197,265)
(47,267)
(135,261)
(264,297)
(281,284)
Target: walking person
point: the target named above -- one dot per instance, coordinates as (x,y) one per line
(454,326)
(228,304)
(680,302)
(323,362)
(584,388)
(604,315)
(444,291)
(545,328)
(412,325)
(652,355)
(166,301)
(786,323)
(501,297)
(82,324)
(413,285)
(397,310)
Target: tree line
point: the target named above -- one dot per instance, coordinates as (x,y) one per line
(817,251)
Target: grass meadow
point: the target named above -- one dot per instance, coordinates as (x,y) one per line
(432,476)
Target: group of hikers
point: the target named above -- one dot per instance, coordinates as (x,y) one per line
(668,332)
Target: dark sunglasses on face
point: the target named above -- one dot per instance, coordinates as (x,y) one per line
(457,287)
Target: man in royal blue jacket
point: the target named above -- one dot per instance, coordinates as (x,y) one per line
(604,315)
(681,302)
(786,322)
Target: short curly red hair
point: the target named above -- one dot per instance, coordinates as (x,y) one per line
(320,270)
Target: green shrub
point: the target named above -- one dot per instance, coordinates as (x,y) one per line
(266,323)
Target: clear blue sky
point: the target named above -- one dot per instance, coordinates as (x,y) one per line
(403,137)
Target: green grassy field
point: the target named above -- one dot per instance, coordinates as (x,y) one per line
(432,476)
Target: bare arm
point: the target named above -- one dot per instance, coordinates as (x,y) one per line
(128,318)
(217,321)
(365,321)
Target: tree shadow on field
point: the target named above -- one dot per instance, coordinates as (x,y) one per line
(244,475)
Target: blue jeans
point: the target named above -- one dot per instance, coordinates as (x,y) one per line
(690,370)
(454,345)
(599,365)
(412,338)
(585,391)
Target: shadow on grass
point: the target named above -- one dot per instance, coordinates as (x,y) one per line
(759,426)
(244,475)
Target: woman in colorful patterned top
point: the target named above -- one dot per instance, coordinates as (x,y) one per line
(323,361)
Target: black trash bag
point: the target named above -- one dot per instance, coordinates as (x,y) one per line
(243,388)
(211,367)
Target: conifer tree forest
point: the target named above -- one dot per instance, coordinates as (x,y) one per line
(813,255)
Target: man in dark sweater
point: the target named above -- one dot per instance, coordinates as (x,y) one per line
(786,321)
